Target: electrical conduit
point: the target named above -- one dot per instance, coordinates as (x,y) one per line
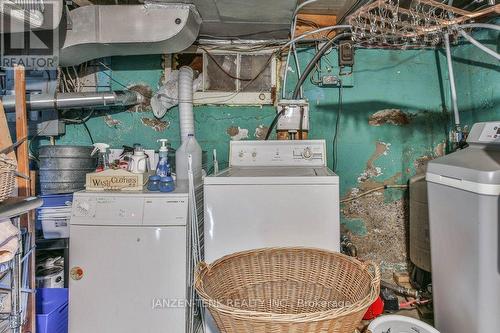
(451,76)
(293,48)
(186,116)
(479,45)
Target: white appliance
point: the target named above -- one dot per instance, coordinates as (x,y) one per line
(274,193)
(464,197)
(129,262)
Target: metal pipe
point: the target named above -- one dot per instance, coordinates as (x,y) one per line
(312,32)
(451,76)
(481,25)
(60,101)
(293,48)
(479,45)
(400,290)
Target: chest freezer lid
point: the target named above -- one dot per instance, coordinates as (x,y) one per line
(475,169)
(273,176)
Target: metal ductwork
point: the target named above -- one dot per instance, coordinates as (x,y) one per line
(151,28)
(16,15)
(61,101)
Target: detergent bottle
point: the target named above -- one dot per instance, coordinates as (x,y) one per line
(138,162)
(103,157)
(163,166)
(189,147)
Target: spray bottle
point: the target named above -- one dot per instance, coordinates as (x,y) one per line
(163,167)
(103,157)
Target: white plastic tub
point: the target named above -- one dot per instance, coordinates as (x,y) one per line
(399,324)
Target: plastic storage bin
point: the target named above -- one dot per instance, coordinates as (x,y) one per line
(52,310)
(53,217)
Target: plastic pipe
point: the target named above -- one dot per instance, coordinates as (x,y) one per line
(451,76)
(479,45)
(186,116)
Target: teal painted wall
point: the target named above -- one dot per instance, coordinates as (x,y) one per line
(414,83)
(406,80)
(478,79)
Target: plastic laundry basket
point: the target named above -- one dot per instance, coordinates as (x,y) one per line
(399,324)
(52,310)
(282,290)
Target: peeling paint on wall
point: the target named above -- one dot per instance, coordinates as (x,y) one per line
(146,92)
(420,162)
(384,239)
(237,133)
(261,132)
(376,227)
(156,124)
(372,171)
(110,122)
(389,116)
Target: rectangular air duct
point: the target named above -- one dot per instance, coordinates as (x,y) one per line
(152,28)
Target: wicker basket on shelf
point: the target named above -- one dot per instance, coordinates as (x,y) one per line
(7,176)
(282,290)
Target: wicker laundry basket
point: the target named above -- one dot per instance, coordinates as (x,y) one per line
(287,290)
(7,176)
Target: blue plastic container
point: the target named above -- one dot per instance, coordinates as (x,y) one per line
(167,184)
(56,200)
(52,310)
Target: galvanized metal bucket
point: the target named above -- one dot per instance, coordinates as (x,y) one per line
(63,168)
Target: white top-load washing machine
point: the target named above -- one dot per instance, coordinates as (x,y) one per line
(464,202)
(130,260)
(274,193)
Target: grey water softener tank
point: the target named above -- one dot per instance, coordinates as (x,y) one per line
(464,190)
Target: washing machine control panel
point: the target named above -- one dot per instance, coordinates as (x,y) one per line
(278,152)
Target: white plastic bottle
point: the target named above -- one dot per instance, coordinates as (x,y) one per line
(189,146)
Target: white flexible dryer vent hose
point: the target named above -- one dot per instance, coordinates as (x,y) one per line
(186,116)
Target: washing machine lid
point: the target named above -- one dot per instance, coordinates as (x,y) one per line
(475,169)
(282,175)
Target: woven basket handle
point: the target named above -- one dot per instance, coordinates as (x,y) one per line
(375,275)
(201,270)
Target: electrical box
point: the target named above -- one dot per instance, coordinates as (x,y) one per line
(40,123)
(329,81)
(346,54)
(295,115)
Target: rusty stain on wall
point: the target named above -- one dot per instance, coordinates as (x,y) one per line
(261,132)
(389,116)
(146,92)
(111,122)
(156,124)
(237,133)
